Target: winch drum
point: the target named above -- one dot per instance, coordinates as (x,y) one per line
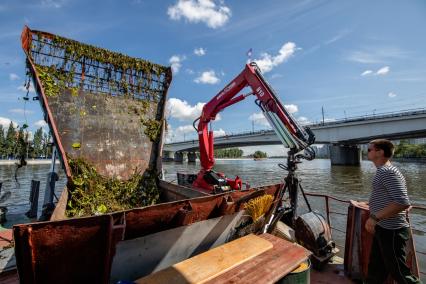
(313,232)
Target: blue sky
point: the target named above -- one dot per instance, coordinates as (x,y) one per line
(350,57)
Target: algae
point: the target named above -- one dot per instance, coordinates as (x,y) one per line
(94,194)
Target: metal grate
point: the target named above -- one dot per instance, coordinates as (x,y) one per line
(141,79)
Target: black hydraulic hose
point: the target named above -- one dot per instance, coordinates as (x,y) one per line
(306,199)
(193,124)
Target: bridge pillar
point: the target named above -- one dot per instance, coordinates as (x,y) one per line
(192,157)
(168,156)
(178,157)
(348,155)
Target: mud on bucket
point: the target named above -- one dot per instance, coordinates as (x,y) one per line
(301,275)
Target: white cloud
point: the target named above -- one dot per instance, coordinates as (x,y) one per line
(267,62)
(40,123)
(276,75)
(189,71)
(185,128)
(329,119)
(20,111)
(259,118)
(24,89)
(176,108)
(199,51)
(13,77)
(196,11)
(181,133)
(6,122)
(218,133)
(367,72)
(391,95)
(176,62)
(381,54)
(207,77)
(53,3)
(383,71)
(303,120)
(291,108)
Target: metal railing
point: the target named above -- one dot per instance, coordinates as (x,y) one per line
(383,115)
(329,213)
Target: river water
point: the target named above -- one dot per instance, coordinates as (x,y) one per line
(316,176)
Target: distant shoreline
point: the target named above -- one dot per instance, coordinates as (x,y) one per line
(29,162)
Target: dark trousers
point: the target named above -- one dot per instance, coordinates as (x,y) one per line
(387,256)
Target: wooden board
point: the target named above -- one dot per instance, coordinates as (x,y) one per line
(269,267)
(212,263)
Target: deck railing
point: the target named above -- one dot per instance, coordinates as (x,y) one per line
(329,213)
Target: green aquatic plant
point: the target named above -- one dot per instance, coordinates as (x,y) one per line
(152,128)
(94,194)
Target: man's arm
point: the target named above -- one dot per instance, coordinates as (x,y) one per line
(391,210)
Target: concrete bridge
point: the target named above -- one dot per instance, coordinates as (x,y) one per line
(343,136)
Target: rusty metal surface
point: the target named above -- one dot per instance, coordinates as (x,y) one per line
(68,251)
(313,233)
(105,122)
(358,245)
(83,248)
(144,221)
(110,132)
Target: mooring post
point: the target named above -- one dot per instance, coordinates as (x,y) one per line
(35,189)
(52,177)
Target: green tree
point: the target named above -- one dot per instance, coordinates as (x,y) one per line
(21,146)
(10,142)
(2,143)
(228,153)
(38,143)
(259,154)
(406,150)
(47,150)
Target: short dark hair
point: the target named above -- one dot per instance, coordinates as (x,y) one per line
(385,145)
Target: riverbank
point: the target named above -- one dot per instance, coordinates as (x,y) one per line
(421,160)
(29,162)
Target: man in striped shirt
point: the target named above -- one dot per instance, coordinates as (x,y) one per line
(388,204)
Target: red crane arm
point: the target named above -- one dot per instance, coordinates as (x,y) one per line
(288,130)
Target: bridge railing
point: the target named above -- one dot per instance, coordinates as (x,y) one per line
(391,114)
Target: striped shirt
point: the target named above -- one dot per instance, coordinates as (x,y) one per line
(389,186)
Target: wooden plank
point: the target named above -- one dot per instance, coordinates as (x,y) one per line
(270,266)
(212,263)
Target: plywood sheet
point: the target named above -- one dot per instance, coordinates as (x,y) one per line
(212,263)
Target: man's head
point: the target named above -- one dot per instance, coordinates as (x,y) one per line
(380,149)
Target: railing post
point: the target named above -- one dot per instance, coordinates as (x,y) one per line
(328,210)
(35,188)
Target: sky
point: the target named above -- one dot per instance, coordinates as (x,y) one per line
(348,58)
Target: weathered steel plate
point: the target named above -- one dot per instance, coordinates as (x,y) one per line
(101,110)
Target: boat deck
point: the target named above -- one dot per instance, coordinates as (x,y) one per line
(332,272)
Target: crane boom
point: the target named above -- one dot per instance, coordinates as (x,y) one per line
(289,131)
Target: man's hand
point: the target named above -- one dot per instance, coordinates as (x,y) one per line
(370,225)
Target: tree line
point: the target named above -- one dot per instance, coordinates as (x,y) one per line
(406,150)
(236,153)
(15,143)
(228,153)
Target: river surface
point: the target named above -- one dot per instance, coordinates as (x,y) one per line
(316,176)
